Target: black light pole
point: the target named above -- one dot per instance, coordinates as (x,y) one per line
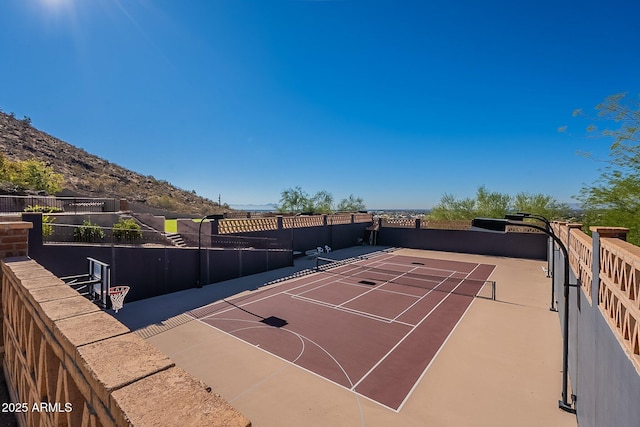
(549,229)
(500,225)
(293,225)
(199,282)
(550,261)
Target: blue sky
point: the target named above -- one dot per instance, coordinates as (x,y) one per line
(397,102)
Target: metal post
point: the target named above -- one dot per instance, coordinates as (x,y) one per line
(500,225)
(550,257)
(199,282)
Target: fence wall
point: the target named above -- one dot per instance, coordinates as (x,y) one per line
(604,309)
(65,204)
(304,232)
(60,350)
(154,270)
(515,245)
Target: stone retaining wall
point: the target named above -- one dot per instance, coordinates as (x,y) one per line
(69,363)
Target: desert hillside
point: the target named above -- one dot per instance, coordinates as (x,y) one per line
(88,175)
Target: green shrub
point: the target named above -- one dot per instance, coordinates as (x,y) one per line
(126,229)
(47,228)
(88,232)
(43,209)
(30,174)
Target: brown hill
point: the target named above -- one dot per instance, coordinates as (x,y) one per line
(92,176)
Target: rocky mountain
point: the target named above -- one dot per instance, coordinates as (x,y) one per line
(88,175)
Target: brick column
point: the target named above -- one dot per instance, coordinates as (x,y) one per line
(14,237)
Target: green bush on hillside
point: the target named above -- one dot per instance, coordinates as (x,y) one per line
(43,209)
(30,175)
(47,227)
(88,233)
(126,229)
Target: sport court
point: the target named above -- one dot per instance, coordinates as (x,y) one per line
(371,325)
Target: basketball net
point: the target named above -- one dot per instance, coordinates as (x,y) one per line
(117,294)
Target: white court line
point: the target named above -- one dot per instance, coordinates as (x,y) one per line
(363,314)
(350,310)
(433,259)
(421,298)
(396,276)
(439,349)
(234,306)
(334,281)
(411,331)
(424,267)
(289,362)
(352,389)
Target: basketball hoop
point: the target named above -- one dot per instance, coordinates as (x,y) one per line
(117,294)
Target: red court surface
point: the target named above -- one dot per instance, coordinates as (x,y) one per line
(372,326)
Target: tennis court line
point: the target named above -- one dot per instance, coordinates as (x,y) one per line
(291,364)
(410,332)
(350,310)
(391,258)
(434,357)
(394,276)
(269,377)
(422,297)
(358,394)
(473,300)
(248,296)
(378,287)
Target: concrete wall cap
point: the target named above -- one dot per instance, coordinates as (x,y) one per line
(599,229)
(15,225)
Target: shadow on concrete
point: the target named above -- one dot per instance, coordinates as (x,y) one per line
(7,419)
(140,314)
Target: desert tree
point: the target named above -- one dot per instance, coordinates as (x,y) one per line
(351,204)
(614,198)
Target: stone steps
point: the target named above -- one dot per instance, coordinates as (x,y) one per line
(176,240)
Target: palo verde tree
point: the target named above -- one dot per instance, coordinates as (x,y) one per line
(293,200)
(614,198)
(491,204)
(351,204)
(30,175)
(296,200)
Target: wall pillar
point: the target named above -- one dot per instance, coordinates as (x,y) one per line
(597,233)
(14,238)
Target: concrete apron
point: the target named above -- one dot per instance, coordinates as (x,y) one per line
(500,367)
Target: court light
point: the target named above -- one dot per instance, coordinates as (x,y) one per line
(500,226)
(293,225)
(550,259)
